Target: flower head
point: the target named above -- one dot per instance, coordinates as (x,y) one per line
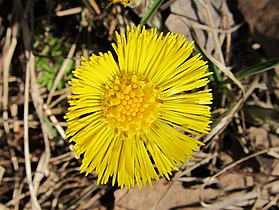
(129,117)
(125,2)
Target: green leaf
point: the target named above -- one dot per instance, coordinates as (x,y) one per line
(56,53)
(40,63)
(60,85)
(258,68)
(46,50)
(40,80)
(53,41)
(154,7)
(49,84)
(36,44)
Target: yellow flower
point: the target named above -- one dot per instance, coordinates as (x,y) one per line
(129,117)
(125,2)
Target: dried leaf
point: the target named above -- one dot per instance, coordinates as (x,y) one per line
(186,14)
(173,196)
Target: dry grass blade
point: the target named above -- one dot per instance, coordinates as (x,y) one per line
(232,201)
(71,11)
(95,6)
(210,29)
(35,203)
(271,203)
(86,201)
(55,122)
(2,171)
(220,66)
(31,87)
(9,49)
(38,102)
(179,174)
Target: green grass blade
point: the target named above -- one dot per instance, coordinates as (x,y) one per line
(154,7)
(258,68)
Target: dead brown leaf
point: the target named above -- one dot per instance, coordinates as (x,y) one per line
(186,14)
(163,195)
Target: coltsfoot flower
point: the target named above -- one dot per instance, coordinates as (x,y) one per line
(130,117)
(125,2)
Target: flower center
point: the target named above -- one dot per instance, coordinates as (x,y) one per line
(131,104)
